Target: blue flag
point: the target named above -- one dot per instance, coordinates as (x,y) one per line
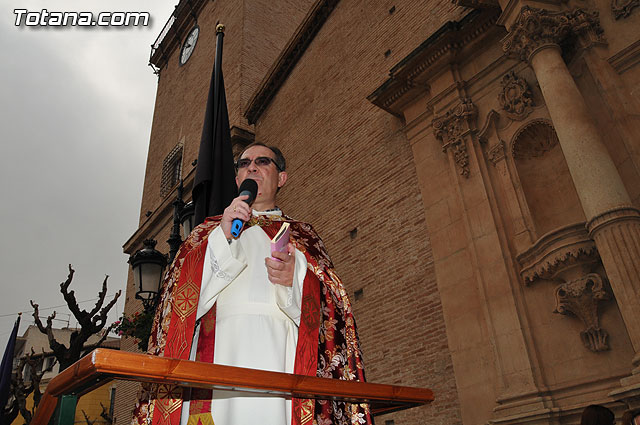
(7,366)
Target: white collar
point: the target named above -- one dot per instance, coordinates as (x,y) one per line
(275,211)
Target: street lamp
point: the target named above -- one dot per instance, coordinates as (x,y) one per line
(182,215)
(148,266)
(186,218)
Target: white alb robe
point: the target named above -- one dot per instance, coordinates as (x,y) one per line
(256,322)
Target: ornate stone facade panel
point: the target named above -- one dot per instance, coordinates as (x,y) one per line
(535,29)
(515,98)
(452,128)
(568,255)
(580,297)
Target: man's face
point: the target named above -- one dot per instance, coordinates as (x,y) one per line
(267,176)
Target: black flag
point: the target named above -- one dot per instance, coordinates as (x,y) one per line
(214,186)
(7,366)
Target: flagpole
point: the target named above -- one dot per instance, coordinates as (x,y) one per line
(217,68)
(214,185)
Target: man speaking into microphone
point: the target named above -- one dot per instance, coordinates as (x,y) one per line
(257,308)
(257,297)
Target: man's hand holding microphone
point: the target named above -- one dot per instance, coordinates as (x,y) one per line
(281,265)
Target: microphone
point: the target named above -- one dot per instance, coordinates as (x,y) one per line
(248,187)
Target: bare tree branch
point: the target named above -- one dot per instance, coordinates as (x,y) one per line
(101,295)
(105,414)
(90,323)
(20,391)
(36,317)
(105,310)
(37,377)
(70,296)
(105,334)
(48,330)
(86,418)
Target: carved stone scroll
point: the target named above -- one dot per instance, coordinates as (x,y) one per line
(623,8)
(515,97)
(535,29)
(581,298)
(452,128)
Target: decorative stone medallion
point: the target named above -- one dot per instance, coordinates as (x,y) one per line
(515,97)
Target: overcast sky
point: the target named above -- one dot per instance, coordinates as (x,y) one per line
(76,109)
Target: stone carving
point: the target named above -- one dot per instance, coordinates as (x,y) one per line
(586,26)
(497,152)
(538,28)
(461,156)
(451,129)
(490,132)
(581,297)
(533,140)
(515,98)
(622,8)
(559,254)
(569,255)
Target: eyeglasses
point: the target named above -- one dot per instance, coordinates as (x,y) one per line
(261,161)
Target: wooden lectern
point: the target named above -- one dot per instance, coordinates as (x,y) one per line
(103,365)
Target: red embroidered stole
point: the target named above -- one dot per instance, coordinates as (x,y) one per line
(307,349)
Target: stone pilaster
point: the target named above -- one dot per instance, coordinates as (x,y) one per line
(536,37)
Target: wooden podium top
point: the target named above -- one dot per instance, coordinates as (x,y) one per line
(102,365)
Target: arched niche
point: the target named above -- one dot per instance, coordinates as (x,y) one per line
(544,177)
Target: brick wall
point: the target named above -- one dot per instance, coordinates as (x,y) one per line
(353,177)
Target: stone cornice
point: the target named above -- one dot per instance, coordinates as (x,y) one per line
(555,251)
(407,79)
(184,17)
(288,59)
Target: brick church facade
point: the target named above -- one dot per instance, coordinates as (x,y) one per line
(473,168)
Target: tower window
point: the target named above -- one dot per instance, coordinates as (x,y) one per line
(171,170)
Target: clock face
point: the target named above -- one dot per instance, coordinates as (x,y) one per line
(189,45)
